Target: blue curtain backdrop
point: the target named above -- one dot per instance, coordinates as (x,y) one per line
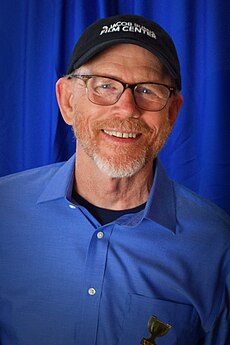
(36,40)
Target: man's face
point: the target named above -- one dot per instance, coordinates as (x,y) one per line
(121,139)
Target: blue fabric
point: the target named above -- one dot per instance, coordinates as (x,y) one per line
(171,260)
(36,39)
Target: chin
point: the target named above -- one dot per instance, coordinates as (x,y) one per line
(119,168)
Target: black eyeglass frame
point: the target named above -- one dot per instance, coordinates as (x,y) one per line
(86,77)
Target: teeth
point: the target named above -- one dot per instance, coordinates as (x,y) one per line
(120,134)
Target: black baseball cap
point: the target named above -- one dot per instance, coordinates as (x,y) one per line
(134,29)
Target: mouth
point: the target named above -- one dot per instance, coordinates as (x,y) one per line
(123,135)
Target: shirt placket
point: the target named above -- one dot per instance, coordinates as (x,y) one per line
(92,285)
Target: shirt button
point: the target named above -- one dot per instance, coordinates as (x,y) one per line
(72,206)
(91,291)
(100,235)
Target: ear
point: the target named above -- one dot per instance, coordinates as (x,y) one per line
(64,93)
(174,108)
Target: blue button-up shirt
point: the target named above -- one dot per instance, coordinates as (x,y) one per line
(67,280)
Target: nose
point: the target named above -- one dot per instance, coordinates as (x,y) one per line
(127,105)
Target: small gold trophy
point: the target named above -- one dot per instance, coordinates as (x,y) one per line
(157,329)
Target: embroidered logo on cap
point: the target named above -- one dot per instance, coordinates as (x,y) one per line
(128,27)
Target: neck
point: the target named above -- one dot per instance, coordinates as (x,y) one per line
(111,193)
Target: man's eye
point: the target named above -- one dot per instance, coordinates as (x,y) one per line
(152,92)
(105,86)
(144,90)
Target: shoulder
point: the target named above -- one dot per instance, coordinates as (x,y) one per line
(31,179)
(195,210)
(182,210)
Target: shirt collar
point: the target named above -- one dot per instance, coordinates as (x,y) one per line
(61,183)
(160,206)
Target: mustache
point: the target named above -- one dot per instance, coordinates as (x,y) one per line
(127,125)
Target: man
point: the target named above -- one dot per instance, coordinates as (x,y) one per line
(96,248)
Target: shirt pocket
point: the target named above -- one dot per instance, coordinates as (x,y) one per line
(183,318)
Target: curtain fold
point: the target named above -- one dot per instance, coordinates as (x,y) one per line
(37,38)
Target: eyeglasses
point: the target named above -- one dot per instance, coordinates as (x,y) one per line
(107,91)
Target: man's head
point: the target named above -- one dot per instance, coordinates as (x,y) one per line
(124,107)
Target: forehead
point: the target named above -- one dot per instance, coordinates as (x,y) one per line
(126,55)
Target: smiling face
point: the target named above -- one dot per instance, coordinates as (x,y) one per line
(120,139)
